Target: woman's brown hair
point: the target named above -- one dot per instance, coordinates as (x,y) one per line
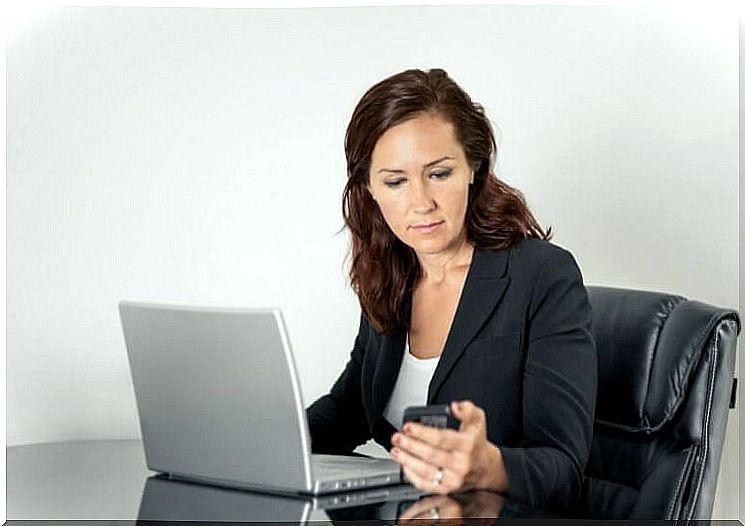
(383,269)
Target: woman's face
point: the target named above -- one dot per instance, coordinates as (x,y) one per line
(419,176)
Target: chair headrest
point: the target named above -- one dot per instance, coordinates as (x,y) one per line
(649,345)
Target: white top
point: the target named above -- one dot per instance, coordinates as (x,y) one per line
(411,385)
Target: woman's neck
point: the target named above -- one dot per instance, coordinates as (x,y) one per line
(437,268)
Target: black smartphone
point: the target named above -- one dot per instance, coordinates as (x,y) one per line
(438,416)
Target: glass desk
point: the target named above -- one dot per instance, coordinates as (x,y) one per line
(107,481)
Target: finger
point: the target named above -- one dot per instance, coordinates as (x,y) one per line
(448,439)
(452,460)
(468,413)
(413,463)
(426,483)
(423,450)
(424,475)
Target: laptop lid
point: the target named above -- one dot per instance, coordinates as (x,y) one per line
(218,394)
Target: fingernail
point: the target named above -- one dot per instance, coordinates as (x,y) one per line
(407,428)
(394,452)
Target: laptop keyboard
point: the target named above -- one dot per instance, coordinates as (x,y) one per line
(341,472)
(332,461)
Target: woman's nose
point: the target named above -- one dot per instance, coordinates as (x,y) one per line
(421,200)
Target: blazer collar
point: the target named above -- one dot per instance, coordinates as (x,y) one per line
(483,289)
(485,284)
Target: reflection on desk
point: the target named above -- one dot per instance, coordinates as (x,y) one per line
(107,481)
(164,499)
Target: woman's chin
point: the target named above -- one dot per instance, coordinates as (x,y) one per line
(430,247)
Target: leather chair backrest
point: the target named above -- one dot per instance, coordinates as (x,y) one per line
(665,367)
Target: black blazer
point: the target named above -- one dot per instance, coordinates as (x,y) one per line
(519,347)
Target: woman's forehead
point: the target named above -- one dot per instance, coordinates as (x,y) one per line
(417,142)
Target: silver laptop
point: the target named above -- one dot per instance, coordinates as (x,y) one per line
(220,402)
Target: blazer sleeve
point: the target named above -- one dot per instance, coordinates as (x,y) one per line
(336,421)
(559,389)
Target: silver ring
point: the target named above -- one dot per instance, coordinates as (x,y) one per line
(435,512)
(437,479)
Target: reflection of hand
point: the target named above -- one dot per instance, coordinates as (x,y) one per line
(444,460)
(444,510)
(481,504)
(437,509)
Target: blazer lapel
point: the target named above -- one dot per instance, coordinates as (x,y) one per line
(483,289)
(388,363)
(386,369)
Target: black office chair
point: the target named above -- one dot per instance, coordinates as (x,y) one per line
(665,386)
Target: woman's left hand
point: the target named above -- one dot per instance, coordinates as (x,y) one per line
(447,461)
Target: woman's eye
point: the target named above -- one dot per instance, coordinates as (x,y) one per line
(441,175)
(394,183)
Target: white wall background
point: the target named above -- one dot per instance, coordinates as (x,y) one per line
(196,155)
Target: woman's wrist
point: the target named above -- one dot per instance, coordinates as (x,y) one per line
(495,475)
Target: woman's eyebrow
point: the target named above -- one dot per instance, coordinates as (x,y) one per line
(431,163)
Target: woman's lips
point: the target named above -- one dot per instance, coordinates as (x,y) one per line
(426,229)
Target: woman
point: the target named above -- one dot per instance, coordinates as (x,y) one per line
(464,302)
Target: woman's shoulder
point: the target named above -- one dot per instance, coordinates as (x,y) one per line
(533,255)
(538,250)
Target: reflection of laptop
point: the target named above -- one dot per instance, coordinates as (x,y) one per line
(220,402)
(172,500)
